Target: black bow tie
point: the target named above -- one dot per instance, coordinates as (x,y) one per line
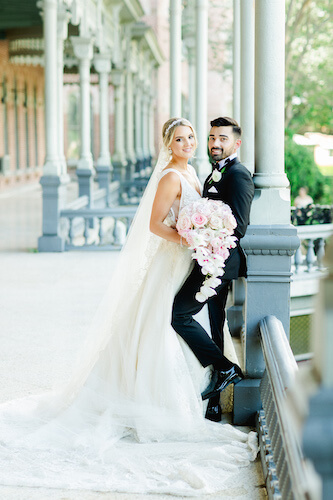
(218,167)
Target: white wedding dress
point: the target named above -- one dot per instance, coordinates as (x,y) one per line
(131,419)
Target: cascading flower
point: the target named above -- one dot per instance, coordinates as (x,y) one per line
(208,227)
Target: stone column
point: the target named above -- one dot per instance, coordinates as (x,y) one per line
(144,128)
(129,111)
(201,162)
(192,82)
(138,128)
(119,156)
(247,84)
(175,58)
(102,64)
(83,50)
(62,30)
(151,129)
(270,240)
(236,61)
(53,184)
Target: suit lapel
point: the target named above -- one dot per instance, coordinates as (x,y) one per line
(217,185)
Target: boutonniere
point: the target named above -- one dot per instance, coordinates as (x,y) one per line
(216,175)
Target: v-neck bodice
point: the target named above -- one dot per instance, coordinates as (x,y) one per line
(188,195)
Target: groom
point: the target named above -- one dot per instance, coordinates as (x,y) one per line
(233,185)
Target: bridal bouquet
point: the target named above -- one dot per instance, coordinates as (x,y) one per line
(207,226)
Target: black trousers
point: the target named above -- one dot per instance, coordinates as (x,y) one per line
(209,351)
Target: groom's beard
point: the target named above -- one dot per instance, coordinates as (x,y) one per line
(217,155)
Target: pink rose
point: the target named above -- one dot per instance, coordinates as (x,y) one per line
(215,221)
(230,222)
(199,220)
(184,223)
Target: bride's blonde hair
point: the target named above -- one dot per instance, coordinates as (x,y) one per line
(168,130)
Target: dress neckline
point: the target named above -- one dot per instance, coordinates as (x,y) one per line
(183,176)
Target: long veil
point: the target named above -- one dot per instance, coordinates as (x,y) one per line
(133,263)
(72,437)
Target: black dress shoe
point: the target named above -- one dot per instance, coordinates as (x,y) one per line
(214,412)
(221,379)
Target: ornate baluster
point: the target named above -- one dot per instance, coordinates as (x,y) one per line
(115,232)
(71,230)
(321,253)
(310,255)
(128,223)
(298,258)
(100,230)
(86,231)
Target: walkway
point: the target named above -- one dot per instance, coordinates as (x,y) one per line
(47,301)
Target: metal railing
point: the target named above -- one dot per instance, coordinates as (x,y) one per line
(287,474)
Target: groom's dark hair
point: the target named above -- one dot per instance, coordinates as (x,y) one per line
(225,121)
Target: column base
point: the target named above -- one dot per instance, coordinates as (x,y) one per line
(247,401)
(85,180)
(103,174)
(130,169)
(51,244)
(117,174)
(269,250)
(139,165)
(54,197)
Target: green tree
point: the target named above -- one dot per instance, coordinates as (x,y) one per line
(302,171)
(309,73)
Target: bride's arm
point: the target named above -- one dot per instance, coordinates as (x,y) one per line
(168,189)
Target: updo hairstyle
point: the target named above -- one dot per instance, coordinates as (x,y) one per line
(168,130)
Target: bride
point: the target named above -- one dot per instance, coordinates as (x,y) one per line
(131,419)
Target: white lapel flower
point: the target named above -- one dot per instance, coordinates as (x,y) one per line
(216,175)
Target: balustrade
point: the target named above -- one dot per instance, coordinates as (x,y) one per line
(108,232)
(313,239)
(287,474)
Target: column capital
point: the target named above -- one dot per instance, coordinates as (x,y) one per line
(82,47)
(63,17)
(117,77)
(102,62)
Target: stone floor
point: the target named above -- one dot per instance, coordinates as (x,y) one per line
(46,303)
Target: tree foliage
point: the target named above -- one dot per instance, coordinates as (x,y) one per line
(302,171)
(309,72)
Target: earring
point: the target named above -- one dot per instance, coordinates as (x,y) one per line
(170,151)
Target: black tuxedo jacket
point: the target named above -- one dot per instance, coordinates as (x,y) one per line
(235,188)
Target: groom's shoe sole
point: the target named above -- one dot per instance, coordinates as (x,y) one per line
(221,380)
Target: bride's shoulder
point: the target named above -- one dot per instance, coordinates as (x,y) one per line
(170,178)
(170,172)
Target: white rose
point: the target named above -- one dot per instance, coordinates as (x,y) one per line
(216,175)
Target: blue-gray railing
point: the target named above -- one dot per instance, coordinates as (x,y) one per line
(96,228)
(309,255)
(287,474)
(105,224)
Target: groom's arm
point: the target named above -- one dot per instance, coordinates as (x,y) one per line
(240,191)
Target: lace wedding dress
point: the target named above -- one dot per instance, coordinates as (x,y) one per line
(132,418)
